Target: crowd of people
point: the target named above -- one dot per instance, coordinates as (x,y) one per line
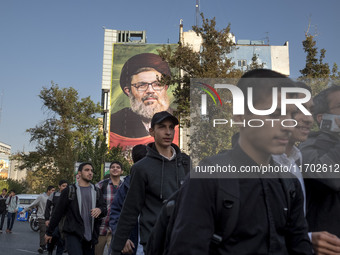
(159,209)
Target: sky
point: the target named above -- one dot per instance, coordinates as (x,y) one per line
(62,41)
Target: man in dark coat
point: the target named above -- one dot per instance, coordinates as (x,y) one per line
(321,167)
(245,212)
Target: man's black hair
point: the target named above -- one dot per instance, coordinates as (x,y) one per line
(138,152)
(262,81)
(49,188)
(61,182)
(116,162)
(80,168)
(12,190)
(4,189)
(321,102)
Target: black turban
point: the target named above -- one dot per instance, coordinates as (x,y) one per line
(136,62)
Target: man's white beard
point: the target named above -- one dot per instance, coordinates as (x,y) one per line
(147,111)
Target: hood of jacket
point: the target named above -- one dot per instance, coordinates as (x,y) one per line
(153,153)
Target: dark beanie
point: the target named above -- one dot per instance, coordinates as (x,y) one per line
(138,152)
(133,64)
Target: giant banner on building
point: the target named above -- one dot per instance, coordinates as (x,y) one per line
(139,89)
(4,166)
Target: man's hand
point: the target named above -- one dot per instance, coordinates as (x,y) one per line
(95,212)
(47,223)
(128,248)
(325,243)
(48,238)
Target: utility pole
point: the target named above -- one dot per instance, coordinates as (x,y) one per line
(1,98)
(197,12)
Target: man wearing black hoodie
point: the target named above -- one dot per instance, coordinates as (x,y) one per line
(154,179)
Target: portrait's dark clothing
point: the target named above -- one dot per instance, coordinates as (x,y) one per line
(154,179)
(253,216)
(128,124)
(323,194)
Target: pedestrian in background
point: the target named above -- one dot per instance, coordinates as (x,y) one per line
(138,152)
(52,201)
(108,188)
(3,207)
(40,203)
(12,203)
(82,206)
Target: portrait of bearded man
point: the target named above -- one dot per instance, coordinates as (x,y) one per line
(142,80)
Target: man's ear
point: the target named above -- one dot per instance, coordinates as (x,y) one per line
(127,90)
(152,132)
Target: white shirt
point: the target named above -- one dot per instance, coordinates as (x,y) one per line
(290,162)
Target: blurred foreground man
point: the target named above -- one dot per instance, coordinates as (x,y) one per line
(322,151)
(262,214)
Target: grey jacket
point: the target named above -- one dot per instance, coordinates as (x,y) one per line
(40,203)
(12,203)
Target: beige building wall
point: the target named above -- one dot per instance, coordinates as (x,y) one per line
(15,173)
(280,58)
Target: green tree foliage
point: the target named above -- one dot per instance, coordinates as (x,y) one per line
(10,184)
(210,62)
(254,63)
(316,72)
(71,122)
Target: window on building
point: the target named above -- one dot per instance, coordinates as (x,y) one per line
(242,62)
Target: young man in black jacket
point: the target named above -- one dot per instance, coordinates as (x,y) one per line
(245,212)
(83,205)
(51,204)
(154,179)
(3,208)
